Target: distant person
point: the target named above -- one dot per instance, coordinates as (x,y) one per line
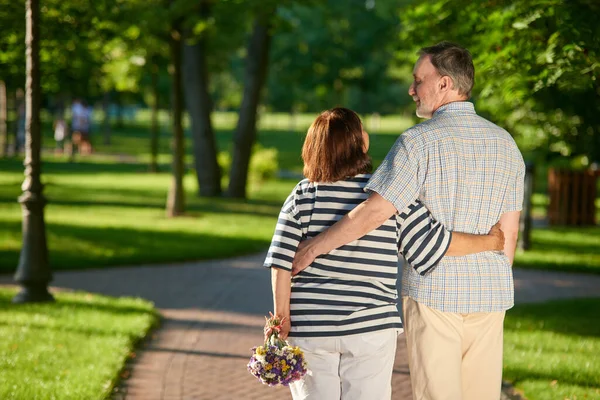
(80,125)
(342,311)
(60,134)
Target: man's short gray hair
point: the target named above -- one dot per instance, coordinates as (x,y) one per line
(454,61)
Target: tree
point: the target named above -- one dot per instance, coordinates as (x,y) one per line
(333,52)
(199,105)
(33,272)
(3,120)
(537,66)
(256,71)
(176,201)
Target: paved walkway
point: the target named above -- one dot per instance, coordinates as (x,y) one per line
(213,313)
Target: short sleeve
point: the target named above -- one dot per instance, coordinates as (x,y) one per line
(423,241)
(287,236)
(397,178)
(513,200)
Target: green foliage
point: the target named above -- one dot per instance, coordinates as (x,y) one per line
(549,349)
(263,164)
(332,53)
(72,349)
(537,63)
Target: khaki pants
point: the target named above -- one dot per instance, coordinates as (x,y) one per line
(357,367)
(453,356)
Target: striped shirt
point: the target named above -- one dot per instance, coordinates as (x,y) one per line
(467,172)
(352,289)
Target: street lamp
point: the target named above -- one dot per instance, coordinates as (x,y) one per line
(33,272)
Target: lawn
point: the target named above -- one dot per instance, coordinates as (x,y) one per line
(113,214)
(563,249)
(551,350)
(108,210)
(72,349)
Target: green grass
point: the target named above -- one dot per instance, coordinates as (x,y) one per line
(551,350)
(72,349)
(113,214)
(107,210)
(563,249)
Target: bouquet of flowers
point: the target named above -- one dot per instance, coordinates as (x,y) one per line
(276,363)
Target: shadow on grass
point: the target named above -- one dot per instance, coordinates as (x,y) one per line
(140,199)
(75,305)
(78,167)
(576,317)
(77,247)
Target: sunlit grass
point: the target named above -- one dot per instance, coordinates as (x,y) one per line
(564,249)
(108,209)
(71,349)
(117,217)
(550,350)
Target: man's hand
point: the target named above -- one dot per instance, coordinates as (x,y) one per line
(303,258)
(497,237)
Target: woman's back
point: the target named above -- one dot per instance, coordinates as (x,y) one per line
(351,290)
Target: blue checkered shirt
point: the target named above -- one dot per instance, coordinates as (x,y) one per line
(468,172)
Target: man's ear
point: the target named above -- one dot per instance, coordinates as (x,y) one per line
(445,84)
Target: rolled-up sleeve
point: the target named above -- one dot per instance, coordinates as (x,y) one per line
(422,240)
(397,178)
(287,236)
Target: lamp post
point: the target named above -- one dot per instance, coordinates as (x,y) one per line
(33,272)
(524,241)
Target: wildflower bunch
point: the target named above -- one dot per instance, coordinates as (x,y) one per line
(276,363)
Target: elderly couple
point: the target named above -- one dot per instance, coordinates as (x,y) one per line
(436,199)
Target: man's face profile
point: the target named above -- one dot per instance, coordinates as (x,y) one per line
(424,89)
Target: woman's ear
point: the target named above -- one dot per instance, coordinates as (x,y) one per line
(365,136)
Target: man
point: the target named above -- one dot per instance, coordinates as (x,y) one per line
(469,173)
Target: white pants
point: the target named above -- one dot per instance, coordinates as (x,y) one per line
(357,367)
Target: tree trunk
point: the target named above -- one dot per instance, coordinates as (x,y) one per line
(106,122)
(3,121)
(175,201)
(120,117)
(19,112)
(199,106)
(154,128)
(33,272)
(256,71)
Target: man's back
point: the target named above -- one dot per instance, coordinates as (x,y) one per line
(468,172)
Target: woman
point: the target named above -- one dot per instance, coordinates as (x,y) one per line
(342,308)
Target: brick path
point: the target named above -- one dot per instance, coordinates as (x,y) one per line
(213,314)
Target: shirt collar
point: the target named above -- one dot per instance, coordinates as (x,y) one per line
(456,107)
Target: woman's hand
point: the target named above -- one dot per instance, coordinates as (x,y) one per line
(286,325)
(283,329)
(496,237)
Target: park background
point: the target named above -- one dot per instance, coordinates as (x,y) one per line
(199,112)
